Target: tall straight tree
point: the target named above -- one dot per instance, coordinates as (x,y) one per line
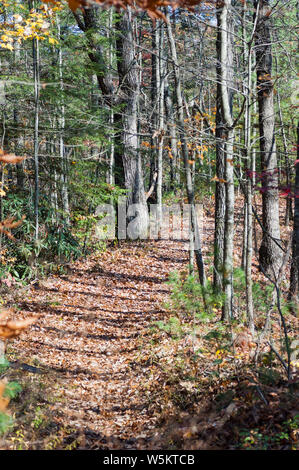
(294,274)
(270,253)
(127,65)
(220,175)
(36,78)
(182,132)
(224,235)
(125,98)
(61,120)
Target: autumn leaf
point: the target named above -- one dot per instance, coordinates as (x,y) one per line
(53,41)
(285,192)
(12,328)
(73,4)
(4,401)
(4,314)
(9,224)
(10,158)
(219,180)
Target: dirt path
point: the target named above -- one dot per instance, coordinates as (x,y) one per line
(86,337)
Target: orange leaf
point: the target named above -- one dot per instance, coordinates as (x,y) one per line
(5,313)
(74,4)
(9,327)
(13,328)
(3,400)
(219,180)
(10,158)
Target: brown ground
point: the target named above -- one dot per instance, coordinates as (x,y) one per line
(102,386)
(86,336)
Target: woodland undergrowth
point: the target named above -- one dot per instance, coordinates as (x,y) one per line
(201,383)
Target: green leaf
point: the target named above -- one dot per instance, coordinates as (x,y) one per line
(218,361)
(12,389)
(4,364)
(6,422)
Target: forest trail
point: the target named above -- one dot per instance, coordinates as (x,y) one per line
(87,338)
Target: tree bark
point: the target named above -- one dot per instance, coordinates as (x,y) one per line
(126,155)
(225,73)
(189,184)
(130,86)
(220,193)
(270,254)
(294,275)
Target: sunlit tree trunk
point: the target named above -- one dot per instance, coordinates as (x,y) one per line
(63,159)
(35,53)
(225,97)
(160,138)
(172,133)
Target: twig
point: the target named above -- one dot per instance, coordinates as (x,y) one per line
(279,357)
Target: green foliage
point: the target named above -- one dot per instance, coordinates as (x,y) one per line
(4,364)
(12,389)
(26,256)
(262,296)
(62,243)
(38,418)
(217,334)
(6,423)
(256,439)
(173,327)
(191,300)
(269,376)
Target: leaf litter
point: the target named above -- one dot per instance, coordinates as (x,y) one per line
(112,382)
(88,334)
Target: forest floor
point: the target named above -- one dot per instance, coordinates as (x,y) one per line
(102,377)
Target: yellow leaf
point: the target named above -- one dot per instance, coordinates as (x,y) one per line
(7,46)
(53,41)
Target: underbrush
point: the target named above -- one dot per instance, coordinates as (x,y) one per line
(62,237)
(214,385)
(32,420)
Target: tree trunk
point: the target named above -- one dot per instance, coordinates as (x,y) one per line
(35,54)
(225,51)
(173,137)
(161,72)
(196,243)
(129,78)
(270,253)
(294,275)
(220,193)
(127,160)
(63,159)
